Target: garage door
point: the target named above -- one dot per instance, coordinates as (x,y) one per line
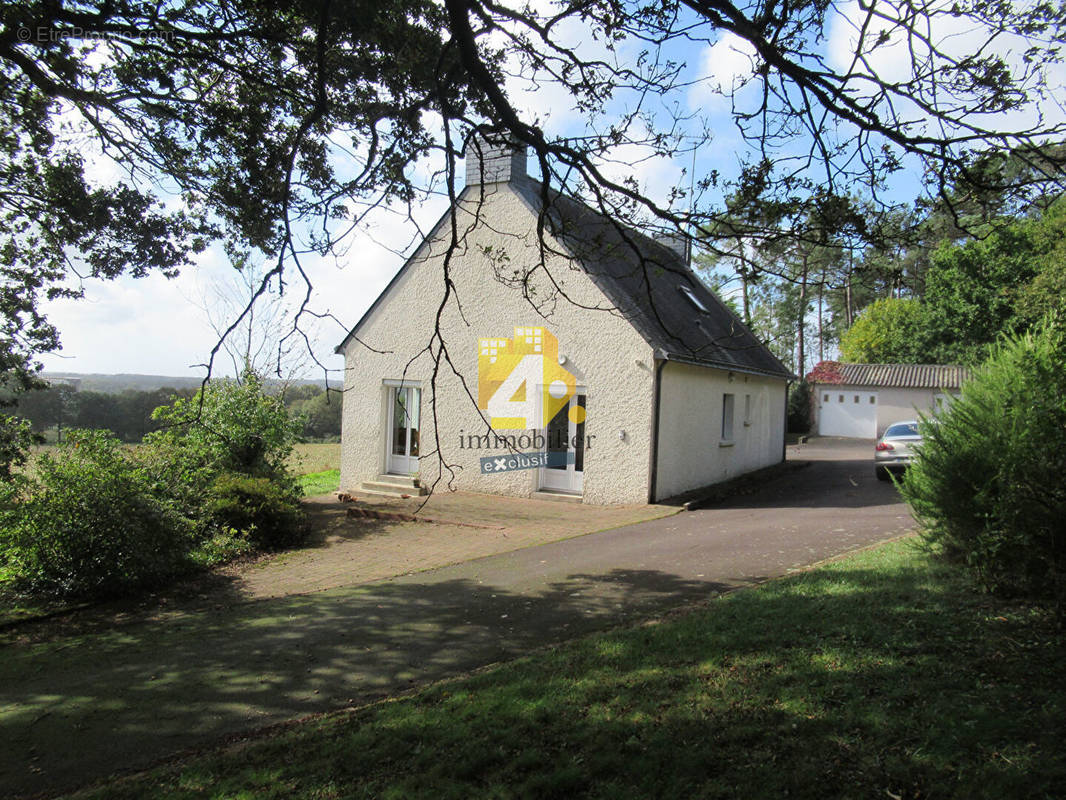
(847,413)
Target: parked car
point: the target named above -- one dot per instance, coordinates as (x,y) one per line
(896,447)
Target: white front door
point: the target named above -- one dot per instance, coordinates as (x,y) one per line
(404,408)
(565,440)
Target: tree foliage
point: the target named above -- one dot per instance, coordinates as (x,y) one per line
(889,331)
(974,292)
(129,413)
(987,484)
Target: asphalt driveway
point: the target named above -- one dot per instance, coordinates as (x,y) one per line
(77,709)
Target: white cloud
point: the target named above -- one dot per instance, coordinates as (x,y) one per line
(157,326)
(725,67)
(886,50)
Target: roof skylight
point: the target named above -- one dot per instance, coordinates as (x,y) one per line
(685,290)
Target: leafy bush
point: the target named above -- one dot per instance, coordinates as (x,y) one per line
(799,408)
(97,521)
(264,512)
(230,426)
(89,524)
(222,456)
(222,547)
(988,486)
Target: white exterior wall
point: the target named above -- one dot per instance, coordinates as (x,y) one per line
(897,405)
(606,354)
(692,453)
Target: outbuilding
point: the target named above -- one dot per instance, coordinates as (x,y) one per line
(861,400)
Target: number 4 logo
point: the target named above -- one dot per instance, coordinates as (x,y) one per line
(520,383)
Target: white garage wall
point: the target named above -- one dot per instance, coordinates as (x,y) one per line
(897,405)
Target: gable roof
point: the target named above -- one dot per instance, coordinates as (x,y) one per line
(648,282)
(894,376)
(653,288)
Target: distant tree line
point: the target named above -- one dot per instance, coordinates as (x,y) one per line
(128,414)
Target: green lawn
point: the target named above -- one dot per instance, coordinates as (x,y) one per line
(882,675)
(320,482)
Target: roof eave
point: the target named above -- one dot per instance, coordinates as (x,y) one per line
(724,365)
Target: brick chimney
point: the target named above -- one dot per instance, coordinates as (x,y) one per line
(497,160)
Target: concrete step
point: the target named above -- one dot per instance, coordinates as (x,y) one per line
(389,489)
(409,481)
(398,494)
(558,497)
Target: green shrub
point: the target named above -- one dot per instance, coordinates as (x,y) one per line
(265,512)
(89,525)
(799,408)
(988,485)
(222,457)
(228,427)
(225,545)
(15,441)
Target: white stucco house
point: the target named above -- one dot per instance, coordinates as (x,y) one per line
(596,367)
(861,400)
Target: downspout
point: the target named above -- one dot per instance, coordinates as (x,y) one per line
(653,479)
(784,439)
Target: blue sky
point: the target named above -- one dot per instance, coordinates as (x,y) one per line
(159,326)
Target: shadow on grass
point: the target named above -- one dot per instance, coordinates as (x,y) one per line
(859,679)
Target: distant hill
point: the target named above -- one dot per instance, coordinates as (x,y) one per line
(113,384)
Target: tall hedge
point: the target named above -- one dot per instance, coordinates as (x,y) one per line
(989,485)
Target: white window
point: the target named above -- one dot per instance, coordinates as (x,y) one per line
(727,417)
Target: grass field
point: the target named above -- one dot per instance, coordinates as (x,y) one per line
(881,675)
(310,458)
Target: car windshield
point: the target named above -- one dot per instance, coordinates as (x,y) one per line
(902,429)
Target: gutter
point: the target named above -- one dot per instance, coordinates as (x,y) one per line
(708,364)
(653,477)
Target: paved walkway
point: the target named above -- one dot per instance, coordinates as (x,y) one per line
(344,551)
(77,709)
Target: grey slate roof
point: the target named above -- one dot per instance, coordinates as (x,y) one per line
(899,376)
(644,279)
(651,285)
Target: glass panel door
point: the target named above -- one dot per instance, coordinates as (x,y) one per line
(404,417)
(565,435)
